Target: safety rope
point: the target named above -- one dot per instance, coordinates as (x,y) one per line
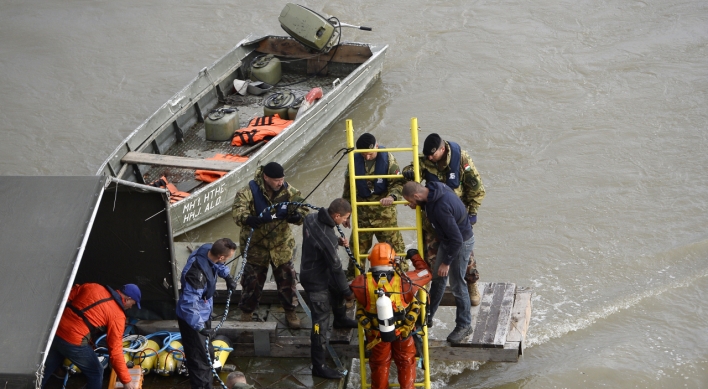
(344,151)
(218,326)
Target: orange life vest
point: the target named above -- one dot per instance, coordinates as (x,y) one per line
(175,194)
(213,175)
(263,128)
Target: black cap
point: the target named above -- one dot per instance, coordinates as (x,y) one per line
(366,141)
(431,144)
(273,170)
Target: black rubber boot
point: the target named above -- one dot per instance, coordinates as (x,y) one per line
(341,320)
(319,367)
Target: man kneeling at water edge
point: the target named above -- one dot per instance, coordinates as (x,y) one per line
(448,216)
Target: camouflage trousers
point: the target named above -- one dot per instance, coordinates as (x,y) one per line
(253,279)
(432,244)
(366,241)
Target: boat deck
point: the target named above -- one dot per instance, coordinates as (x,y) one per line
(195,145)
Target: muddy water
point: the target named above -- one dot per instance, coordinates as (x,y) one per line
(587,121)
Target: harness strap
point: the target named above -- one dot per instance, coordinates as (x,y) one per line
(80,312)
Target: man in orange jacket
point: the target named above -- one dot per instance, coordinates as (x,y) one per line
(92,309)
(395,337)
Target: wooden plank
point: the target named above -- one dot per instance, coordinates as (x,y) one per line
(182,162)
(520,317)
(484,307)
(269,296)
(286,47)
(242,331)
(493,318)
(504,316)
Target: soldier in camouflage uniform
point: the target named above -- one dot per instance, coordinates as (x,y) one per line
(272,242)
(437,164)
(385,191)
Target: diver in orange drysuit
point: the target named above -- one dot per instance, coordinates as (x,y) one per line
(401,289)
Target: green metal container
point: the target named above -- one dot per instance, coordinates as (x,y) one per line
(267,69)
(292,111)
(221,123)
(278,103)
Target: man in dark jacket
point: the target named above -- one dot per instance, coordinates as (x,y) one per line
(195,305)
(323,279)
(449,218)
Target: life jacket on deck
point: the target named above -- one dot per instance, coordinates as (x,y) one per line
(263,128)
(381,168)
(175,194)
(213,175)
(453,178)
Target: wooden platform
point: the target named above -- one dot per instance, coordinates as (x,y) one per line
(500,325)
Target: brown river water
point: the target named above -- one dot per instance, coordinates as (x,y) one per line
(586,119)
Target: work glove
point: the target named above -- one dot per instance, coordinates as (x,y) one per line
(254,221)
(294,218)
(472,219)
(409,175)
(208,332)
(230,283)
(410,253)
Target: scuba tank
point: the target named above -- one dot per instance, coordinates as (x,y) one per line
(169,360)
(279,103)
(266,68)
(146,359)
(222,349)
(384,312)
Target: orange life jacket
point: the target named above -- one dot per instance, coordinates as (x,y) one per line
(213,175)
(263,128)
(175,194)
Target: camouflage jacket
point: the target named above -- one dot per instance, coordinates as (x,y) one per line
(471,189)
(369,215)
(271,242)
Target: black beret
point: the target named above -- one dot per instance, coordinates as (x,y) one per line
(273,170)
(431,144)
(366,141)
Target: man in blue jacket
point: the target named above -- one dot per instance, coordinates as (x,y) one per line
(196,303)
(449,218)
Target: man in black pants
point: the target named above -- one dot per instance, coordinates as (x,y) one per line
(195,305)
(323,279)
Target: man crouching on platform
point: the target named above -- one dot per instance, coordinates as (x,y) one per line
(395,338)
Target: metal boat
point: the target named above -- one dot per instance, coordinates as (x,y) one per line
(172,142)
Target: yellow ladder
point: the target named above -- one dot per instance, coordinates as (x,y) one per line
(354,244)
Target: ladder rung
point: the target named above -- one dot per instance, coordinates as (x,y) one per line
(372,176)
(376,229)
(390,150)
(376,203)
